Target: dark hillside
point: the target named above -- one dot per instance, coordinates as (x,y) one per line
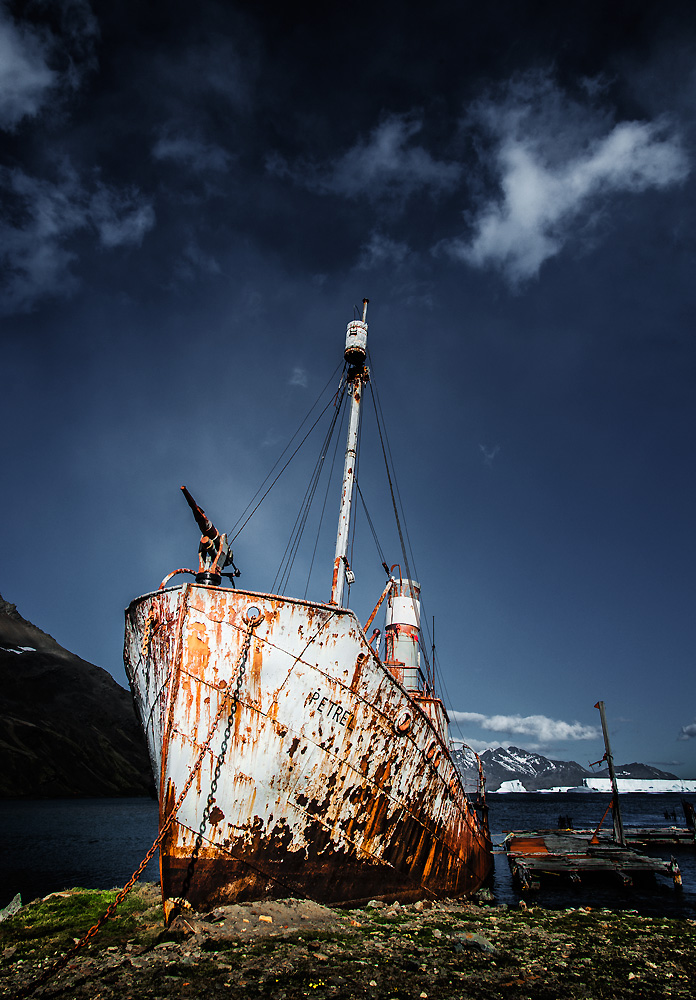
(66,727)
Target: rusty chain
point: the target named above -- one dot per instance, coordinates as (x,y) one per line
(218,768)
(61,962)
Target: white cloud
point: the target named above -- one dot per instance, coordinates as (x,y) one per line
(34,253)
(121,218)
(538,727)
(25,77)
(387,163)
(556,163)
(489,454)
(198,155)
(688,732)
(380,250)
(478,746)
(28,77)
(195,261)
(298,378)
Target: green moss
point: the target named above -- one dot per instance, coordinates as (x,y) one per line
(59,919)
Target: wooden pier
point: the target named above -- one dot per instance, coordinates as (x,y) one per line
(669,836)
(533,855)
(589,853)
(644,837)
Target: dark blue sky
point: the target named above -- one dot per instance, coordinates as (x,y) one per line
(193,198)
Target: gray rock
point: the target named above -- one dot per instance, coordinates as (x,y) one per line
(462,942)
(12,907)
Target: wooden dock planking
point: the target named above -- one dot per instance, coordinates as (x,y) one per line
(637,836)
(534,854)
(662,837)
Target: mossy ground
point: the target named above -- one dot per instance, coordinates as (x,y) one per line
(380,953)
(57,920)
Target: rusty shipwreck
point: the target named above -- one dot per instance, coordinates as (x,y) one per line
(293,755)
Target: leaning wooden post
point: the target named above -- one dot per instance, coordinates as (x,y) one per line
(619,837)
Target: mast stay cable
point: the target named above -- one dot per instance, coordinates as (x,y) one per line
(326,497)
(237,530)
(288,559)
(393,486)
(380,552)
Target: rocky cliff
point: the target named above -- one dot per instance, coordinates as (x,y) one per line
(66,727)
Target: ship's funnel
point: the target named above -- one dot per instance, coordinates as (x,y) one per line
(401,632)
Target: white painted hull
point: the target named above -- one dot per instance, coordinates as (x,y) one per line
(320,793)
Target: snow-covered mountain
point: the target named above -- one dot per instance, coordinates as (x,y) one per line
(536,772)
(533,770)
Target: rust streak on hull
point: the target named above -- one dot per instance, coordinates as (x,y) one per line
(320,793)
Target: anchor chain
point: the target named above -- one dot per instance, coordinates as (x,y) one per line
(219,761)
(60,963)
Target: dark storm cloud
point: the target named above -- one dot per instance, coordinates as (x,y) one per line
(42,213)
(380,250)
(25,78)
(386,164)
(84,171)
(39,61)
(35,249)
(202,95)
(241,122)
(191,151)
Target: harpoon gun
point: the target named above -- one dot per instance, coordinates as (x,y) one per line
(214,552)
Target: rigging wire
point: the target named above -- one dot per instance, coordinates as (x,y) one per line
(326,497)
(234,533)
(288,559)
(389,477)
(393,486)
(389,462)
(374,533)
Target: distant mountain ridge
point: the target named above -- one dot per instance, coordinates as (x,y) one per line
(66,727)
(536,772)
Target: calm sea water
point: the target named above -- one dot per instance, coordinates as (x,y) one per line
(98,843)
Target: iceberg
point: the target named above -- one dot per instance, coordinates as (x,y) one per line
(641,784)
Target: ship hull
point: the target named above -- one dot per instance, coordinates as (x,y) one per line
(328,781)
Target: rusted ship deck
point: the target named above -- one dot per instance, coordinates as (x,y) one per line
(533,855)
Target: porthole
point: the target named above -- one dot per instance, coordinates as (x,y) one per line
(404,722)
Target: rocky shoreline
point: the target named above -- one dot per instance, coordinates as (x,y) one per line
(296,948)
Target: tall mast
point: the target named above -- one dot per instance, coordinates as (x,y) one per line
(615,809)
(358,374)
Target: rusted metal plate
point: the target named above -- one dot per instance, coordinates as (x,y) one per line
(331,787)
